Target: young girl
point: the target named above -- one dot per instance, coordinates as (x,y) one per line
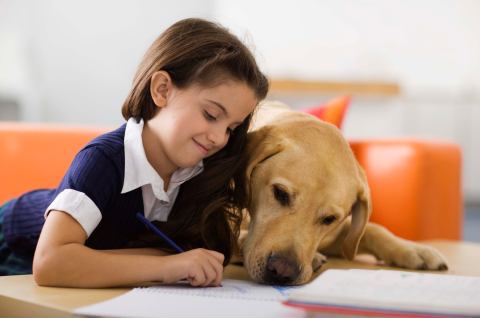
(178,160)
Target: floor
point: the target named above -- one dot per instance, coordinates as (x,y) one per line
(471,224)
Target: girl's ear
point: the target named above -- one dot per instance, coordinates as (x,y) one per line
(160,87)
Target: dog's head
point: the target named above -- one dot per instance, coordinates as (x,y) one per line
(304,182)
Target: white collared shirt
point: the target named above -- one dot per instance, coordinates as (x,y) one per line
(138,173)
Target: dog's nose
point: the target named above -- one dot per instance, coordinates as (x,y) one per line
(281,270)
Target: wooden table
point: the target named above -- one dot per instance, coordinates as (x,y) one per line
(21,297)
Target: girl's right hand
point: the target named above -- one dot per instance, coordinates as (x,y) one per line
(200,267)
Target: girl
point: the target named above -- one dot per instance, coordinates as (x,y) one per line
(178,160)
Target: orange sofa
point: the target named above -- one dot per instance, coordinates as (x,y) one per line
(415,184)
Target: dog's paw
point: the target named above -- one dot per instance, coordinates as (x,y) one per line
(416,256)
(318,261)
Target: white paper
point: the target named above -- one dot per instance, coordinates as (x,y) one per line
(236,298)
(231,288)
(394,290)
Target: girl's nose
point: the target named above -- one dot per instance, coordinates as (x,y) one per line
(217,136)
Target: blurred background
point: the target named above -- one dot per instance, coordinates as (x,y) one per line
(412,66)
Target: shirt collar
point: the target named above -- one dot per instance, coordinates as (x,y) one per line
(139,172)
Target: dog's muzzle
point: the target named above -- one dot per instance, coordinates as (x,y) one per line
(281,270)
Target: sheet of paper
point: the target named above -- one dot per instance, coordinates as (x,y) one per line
(240,299)
(231,289)
(394,289)
(398,286)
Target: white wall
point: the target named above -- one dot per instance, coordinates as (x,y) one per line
(79,57)
(417,43)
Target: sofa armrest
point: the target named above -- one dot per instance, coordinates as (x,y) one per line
(34,156)
(415,186)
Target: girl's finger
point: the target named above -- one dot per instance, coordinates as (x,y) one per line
(198,276)
(218,256)
(218,267)
(210,273)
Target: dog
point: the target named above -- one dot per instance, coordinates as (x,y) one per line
(310,198)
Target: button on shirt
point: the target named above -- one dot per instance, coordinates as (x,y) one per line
(138,174)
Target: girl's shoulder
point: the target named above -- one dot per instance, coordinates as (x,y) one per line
(103,155)
(111,142)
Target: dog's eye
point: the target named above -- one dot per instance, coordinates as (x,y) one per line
(281,196)
(329,220)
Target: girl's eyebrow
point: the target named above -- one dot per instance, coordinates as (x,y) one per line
(223,108)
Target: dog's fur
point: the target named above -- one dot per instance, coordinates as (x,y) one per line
(305,183)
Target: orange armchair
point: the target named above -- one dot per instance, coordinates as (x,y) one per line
(36,156)
(415,185)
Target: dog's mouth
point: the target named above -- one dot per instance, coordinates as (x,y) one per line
(276,269)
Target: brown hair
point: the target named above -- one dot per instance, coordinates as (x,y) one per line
(207,212)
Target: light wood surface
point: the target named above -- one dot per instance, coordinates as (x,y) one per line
(370,88)
(21,297)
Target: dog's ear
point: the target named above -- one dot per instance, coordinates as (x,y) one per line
(361,211)
(261,144)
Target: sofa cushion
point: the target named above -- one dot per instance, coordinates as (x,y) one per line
(332,111)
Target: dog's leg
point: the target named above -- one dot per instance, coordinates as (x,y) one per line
(395,251)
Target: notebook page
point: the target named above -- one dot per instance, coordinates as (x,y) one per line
(231,288)
(178,300)
(394,289)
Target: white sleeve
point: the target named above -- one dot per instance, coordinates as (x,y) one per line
(79,206)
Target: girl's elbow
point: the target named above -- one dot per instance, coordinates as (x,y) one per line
(40,272)
(43,270)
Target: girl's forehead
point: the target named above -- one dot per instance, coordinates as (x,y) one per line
(228,88)
(234,97)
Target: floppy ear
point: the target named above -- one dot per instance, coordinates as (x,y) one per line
(261,144)
(361,211)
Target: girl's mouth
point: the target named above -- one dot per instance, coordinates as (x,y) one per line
(202,149)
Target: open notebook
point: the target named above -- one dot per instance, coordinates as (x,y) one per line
(365,292)
(390,293)
(236,298)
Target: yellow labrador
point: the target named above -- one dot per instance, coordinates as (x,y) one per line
(305,183)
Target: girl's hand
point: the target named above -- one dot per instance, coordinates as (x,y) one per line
(200,267)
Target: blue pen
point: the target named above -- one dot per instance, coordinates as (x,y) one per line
(154,228)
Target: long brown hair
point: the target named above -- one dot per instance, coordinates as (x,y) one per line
(207,212)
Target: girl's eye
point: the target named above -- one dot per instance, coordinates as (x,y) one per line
(208,116)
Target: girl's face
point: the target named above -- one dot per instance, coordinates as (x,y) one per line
(195,123)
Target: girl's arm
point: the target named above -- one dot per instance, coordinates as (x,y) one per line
(62,259)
